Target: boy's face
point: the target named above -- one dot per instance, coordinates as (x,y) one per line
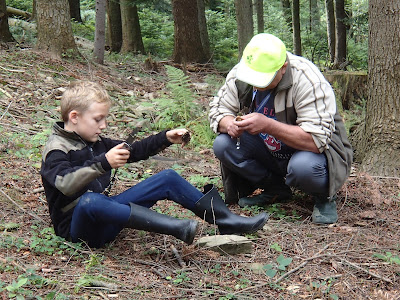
(90,123)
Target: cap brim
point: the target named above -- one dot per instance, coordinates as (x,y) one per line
(254,78)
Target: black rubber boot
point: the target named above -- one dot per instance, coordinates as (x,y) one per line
(213,210)
(143,218)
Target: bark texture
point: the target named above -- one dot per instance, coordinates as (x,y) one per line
(379,149)
(341,35)
(188,46)
(330,25)
(244,19)
(54,27)
(296,27)
(114,26)
(5,34)
(131,32)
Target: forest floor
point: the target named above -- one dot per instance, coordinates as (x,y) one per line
(356,258)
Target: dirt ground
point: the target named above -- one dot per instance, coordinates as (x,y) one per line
(356,258)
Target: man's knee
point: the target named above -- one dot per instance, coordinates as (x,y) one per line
(308,171)
(221,142)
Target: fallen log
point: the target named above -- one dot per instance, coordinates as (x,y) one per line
(11,11)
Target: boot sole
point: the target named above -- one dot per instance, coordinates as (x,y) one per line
(191,233)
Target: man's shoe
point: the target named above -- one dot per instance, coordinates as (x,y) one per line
(267,198)
(325,211)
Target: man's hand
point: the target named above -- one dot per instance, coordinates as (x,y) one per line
(178,136)
(253,123)
(226,125)
(117,156)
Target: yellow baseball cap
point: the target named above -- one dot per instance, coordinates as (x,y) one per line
(263,56)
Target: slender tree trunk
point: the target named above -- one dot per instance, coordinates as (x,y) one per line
(100,32)
(341,36)
(348,9)
(188,46)
(296,27)
(287,13)
(54,30)
(244,19)
(114,26)
(5,34)
(205,42)
(379,150)
(259,8)
(330,25)
(75,10)
(314,15)
(131,33)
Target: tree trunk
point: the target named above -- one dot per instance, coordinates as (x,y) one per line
(341,36)
(296,28)
(75,10)
(259,8)
(188,46)
(5,34)
(54,30)
(348,9)
(287,13)
(205,41)
(244,19)
(114,26)
(379,150)
(131,33)
(100,32)
(314,15)
(330,25)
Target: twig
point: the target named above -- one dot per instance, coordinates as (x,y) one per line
(6,110)
(9,70)
(178,257)
(38,190)
(288,273)
(3,260)
(366,271)
(302,264)
(21,208)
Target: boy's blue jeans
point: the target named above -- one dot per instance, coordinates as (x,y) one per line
(305,170)
(97,219)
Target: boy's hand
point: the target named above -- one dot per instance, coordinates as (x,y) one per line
(117,156)
(178,136)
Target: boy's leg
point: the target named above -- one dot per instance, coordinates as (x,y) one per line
(97,219)
(166,184)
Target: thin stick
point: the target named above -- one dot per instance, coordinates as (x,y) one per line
(21,208)
(366,271)
(302,264)
(178,257)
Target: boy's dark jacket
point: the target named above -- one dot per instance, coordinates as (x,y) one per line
(72,166)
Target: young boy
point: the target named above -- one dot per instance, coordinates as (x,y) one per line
(76,168)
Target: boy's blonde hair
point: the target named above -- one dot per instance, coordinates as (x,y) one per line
(80,95)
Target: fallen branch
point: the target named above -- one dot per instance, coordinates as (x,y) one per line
(366,271)
(18,12)
(302,264)
(21,208)
(178,257)
(15,71)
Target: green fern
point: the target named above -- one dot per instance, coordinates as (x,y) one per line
(179,107)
